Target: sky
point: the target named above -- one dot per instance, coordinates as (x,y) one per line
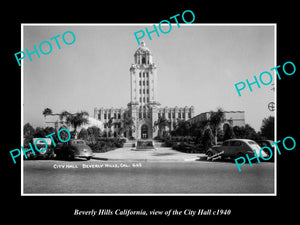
(196,65)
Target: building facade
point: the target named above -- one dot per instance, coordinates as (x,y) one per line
(143,110)
(231,118)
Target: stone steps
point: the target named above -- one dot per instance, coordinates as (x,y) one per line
(130,144)
(158,144)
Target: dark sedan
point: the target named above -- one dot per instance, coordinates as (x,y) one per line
(236,148)
(73,149)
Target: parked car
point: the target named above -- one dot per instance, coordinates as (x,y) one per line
(234,148)
(267,143)
(75,148)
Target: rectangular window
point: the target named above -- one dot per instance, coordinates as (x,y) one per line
(147,82)
(140,82)
(99,116)
(144,99)
(148,99)
(140,74)
(140,91)
(173,114)
(140,99)
(179,115)
(147,91)
(143,74)
(143,83)
(105,116)
(147,74)
(143,91)
(169,115)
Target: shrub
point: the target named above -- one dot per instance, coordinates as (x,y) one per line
(106,144)
(188,147)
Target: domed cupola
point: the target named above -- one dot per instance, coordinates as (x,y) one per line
(143,55)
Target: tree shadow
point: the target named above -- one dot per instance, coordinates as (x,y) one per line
(163,154)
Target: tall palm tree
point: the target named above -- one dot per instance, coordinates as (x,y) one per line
(216,118)
(47,112)
(75,120)
(109,124)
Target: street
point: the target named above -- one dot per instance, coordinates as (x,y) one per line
(116,177)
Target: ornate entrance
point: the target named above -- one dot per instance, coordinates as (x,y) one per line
(144,132)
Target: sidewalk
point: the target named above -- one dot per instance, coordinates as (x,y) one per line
(162,154)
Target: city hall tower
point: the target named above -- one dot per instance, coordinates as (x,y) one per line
(143,88)
(143,109)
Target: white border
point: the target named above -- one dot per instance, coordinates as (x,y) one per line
(147,194)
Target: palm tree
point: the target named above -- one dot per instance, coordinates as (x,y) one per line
(75,120)
(207,139)
(47,112)
(161,123)
(216,118)
(108,124)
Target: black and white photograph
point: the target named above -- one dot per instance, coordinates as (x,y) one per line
(168,114)
(146,117)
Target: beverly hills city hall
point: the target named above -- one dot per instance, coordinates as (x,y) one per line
(144,108)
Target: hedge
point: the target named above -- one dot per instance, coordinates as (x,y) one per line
(106,144)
